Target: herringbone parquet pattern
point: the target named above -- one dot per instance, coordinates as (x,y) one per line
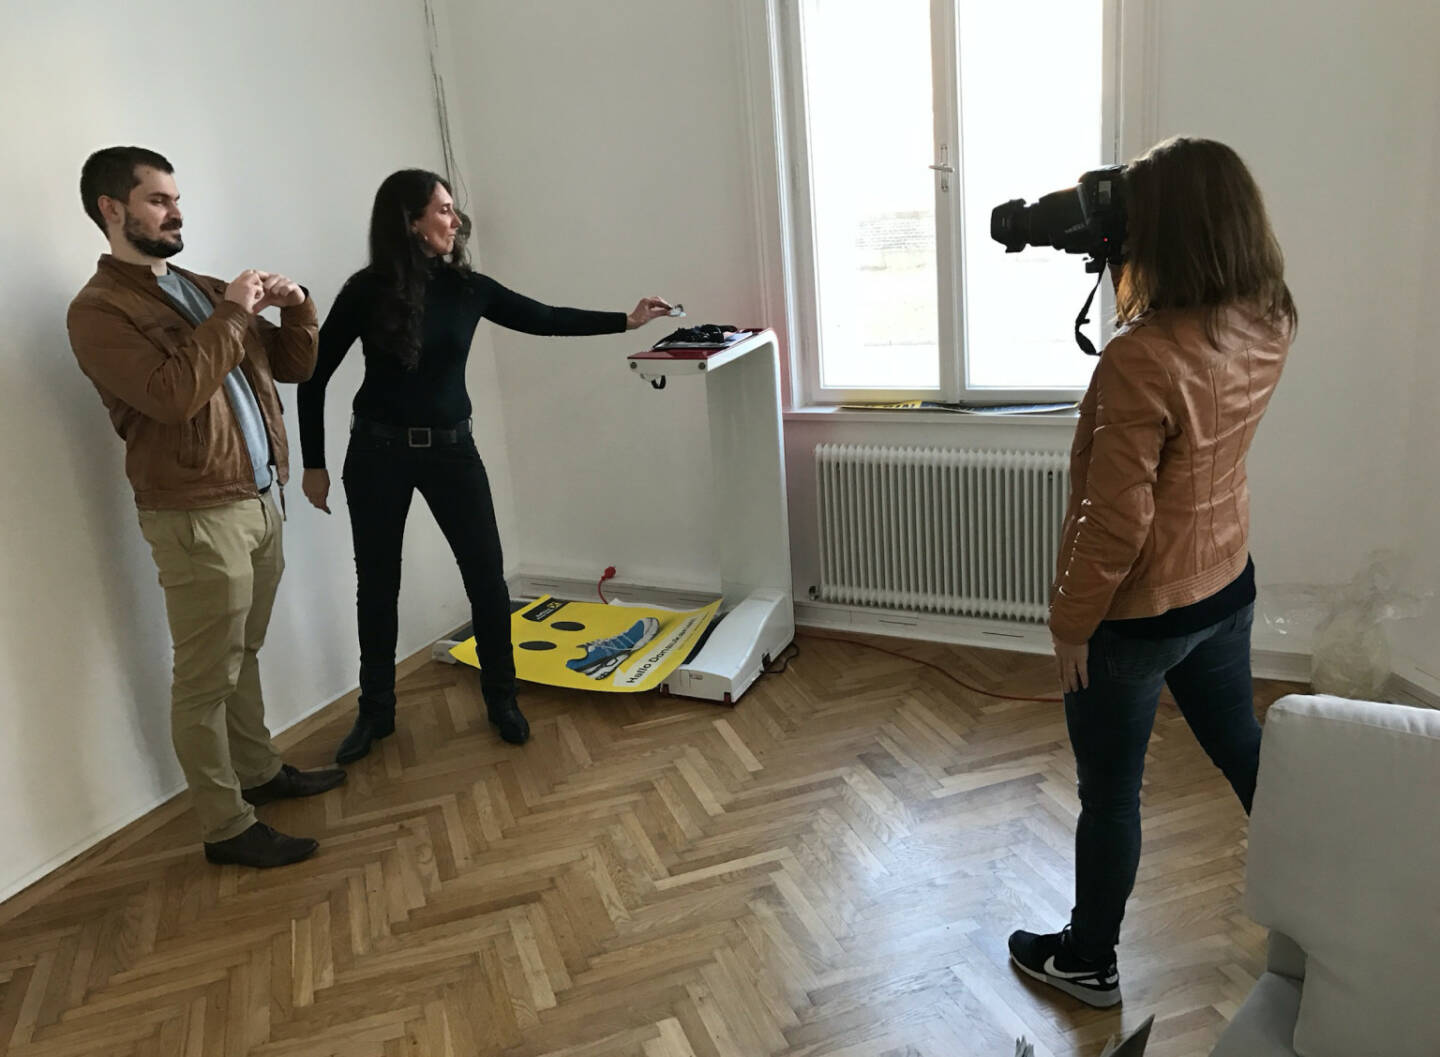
(829,869)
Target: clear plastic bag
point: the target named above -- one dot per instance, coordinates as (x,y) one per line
(1349,648)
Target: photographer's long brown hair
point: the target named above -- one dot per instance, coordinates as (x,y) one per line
(1197,236)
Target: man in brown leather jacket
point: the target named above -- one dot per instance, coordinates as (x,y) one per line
(186,367)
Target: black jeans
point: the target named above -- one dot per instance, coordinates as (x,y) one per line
(1209,674)
(380,477)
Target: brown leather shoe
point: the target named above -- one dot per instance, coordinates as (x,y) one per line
(261,847)
(291,783)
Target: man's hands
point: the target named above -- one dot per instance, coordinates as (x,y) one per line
(279,290)
(246,289)
(255,291)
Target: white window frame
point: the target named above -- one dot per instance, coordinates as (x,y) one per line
(1127,128)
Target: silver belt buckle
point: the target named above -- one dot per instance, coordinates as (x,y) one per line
(411,433)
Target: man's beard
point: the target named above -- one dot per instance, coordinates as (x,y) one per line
(152,247)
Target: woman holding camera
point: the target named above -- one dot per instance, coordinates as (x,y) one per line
(1155,586)
(415,310)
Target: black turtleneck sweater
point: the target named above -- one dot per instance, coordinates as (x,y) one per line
(433,394)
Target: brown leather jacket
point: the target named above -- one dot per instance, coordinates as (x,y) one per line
(162,380)
(1159,513)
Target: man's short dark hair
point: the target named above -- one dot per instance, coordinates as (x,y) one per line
(111,172)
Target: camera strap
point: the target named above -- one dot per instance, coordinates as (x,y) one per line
(1086,345)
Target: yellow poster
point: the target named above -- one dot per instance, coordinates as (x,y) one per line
(589,646)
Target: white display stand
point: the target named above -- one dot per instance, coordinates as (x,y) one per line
(747,509)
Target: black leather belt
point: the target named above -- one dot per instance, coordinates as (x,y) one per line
(413,436)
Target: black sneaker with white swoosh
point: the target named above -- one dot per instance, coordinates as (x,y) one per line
(1051,959)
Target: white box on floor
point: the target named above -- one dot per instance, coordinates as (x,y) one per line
(739,649)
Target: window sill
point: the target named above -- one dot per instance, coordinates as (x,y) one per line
(817,413)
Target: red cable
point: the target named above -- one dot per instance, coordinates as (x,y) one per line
(600,587)
(930,664)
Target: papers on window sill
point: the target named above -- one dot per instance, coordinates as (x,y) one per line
(962,409)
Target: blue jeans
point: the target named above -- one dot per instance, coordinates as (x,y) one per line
(1208,672)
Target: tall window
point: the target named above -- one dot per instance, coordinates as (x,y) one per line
(908,121)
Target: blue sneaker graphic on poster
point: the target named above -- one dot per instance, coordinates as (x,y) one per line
(610,648)
(664,654)
(605,655)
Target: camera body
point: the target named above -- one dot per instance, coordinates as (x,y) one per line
(1088,218)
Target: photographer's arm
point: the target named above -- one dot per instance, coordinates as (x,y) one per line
(1118,507)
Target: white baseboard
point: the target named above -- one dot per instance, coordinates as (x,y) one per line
(284,739)
(84,844)
(1415,683)
(116,825)
(1275,656)
(962,631)
(1266,662)
(1277,664)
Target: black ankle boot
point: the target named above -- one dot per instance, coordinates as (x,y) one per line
(501,707)
(368,729)
(505,714)
(376,718)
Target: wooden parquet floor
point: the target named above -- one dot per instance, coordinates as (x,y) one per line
(831,868)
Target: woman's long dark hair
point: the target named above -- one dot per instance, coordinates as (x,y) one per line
(397,257)
(1198,237)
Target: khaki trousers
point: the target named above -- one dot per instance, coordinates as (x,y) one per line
(220,568)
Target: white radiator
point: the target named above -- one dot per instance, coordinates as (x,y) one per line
(940,530)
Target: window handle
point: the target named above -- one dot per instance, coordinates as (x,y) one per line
(944,168)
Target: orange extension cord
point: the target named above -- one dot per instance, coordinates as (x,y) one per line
(933,666)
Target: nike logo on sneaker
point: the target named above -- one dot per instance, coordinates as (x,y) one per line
(1092,974)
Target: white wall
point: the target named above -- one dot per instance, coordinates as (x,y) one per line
(1331,104)
(281,120)
(1420,638)
(603,168)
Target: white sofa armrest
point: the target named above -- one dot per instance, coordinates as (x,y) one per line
(1285,957)
(1344,858)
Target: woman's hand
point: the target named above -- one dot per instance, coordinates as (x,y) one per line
(316,486)
(1073,663)
(648,308)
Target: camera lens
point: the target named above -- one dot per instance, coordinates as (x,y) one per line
(1057,220)
(1060,221)
(1010,226)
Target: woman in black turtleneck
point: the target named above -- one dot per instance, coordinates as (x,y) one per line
(415,309)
